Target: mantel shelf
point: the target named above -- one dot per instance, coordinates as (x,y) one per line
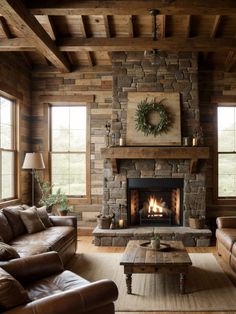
(156,152)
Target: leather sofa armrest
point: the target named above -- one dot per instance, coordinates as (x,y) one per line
(226,222)
(26,269)
(80,300)
(64,221)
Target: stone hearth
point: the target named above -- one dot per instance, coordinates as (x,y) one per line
(120,237)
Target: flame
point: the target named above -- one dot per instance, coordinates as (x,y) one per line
(154,205)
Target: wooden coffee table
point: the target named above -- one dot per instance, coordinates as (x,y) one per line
(140,258)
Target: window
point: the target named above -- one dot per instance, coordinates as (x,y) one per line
(226,122)
(7,149)
(69,150)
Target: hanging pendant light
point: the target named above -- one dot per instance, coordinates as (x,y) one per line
(154,54)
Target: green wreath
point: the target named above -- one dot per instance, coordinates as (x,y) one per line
(141,118)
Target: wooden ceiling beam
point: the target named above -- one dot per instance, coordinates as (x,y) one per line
(127,44)
(162,26)
(107,26)
(84,34)
(141,44)
(15,12)
(131,26)
(230,60)
(216,24)
(214,30)
(188,24)
(131,7)
(5,28)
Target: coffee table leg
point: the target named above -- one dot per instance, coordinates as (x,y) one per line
(129,283)
(182,279)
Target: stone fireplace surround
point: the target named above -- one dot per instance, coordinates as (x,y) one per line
(176,73)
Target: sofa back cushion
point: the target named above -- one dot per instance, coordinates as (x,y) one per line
(14,219)
(12,292)
(7,252)
(31,220)
(43,214)
(5,229)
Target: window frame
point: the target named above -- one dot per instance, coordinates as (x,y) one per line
(14,150)
(221,200)
(73,200)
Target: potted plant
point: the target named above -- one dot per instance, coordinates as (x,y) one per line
(49,200)
(155,242)
(63,205)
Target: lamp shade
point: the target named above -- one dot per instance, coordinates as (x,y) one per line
(33,161)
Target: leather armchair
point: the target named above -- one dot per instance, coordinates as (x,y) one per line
(226,239)
(53,290)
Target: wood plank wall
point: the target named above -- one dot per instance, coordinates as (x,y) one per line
(82,83)
(15,81)
(214,86)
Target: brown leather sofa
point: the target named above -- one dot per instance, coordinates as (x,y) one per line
(53,290)
(226,239)
(60,235)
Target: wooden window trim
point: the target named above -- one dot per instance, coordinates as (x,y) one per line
(220,102)
(15,141)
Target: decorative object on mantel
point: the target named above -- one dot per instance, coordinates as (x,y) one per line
(143,117)
(121,141)
(186,140)
(197,137)
(108,130)
(136,137)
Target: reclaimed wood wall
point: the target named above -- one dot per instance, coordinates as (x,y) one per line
(83,83)
(15,82)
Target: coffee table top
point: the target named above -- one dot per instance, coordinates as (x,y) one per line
(135,254)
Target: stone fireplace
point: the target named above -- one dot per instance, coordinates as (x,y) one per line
(125,166)
(155,202)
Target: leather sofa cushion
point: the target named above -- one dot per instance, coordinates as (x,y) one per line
(227,237)
(51,239)
(55,284)
(31,220)
(7,252)
(5,230)
(12,292)
(43,214)
(14,219)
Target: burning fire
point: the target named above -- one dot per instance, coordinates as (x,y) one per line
(155,207)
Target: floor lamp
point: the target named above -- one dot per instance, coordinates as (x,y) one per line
(33,161)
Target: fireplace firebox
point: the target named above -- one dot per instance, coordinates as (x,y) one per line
(155,201)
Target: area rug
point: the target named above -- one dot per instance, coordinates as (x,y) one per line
(207,287)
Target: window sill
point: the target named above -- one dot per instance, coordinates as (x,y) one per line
(16,201)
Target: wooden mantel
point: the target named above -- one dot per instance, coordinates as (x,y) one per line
(156,152)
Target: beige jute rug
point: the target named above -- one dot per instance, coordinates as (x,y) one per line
(208,288)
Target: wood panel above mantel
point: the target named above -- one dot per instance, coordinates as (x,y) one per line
(194,153)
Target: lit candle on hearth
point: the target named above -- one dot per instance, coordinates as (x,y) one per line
(121,223)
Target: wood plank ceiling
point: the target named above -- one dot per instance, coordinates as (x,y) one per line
(68,34)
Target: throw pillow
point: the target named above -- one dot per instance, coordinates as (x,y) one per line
(12,292)
(5,229)
(31,220)
(43,214)
(13,217)
(7,252)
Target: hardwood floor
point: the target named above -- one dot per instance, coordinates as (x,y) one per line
(85,245)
